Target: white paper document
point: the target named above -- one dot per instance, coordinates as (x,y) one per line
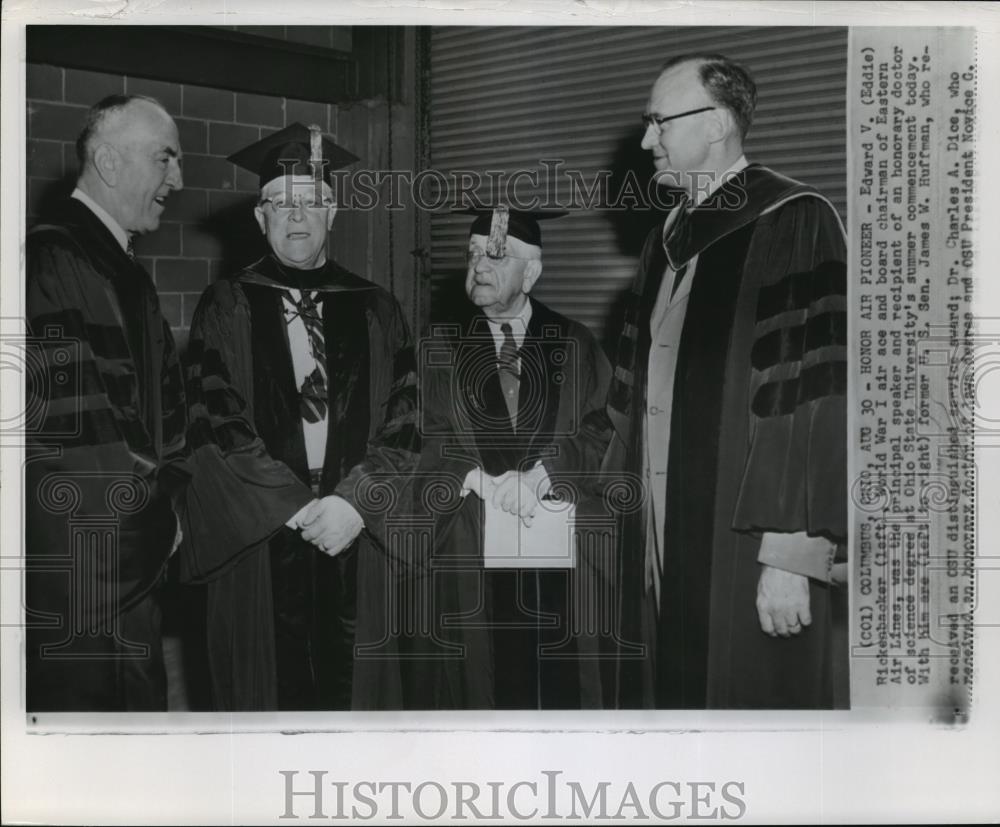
(548,544)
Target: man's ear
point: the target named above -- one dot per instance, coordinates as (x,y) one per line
(532,270)
(331,213)
(258,213)
(107,161)
(720,125)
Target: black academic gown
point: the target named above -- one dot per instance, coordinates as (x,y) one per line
(758,443)
(503,639)
(105,421)
(281,614)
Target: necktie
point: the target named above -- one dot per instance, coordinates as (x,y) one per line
(510,380)
(676,239)
(130,249)
(314,393)
(677,236)
(678,278)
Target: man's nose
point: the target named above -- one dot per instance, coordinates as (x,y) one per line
(650,137)
(175,179)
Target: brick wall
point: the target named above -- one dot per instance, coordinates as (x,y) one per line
(208,228)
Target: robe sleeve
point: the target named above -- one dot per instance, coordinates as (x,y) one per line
(418,460)
(796,467)
(448,454)
(175,472)
(579,455)
(239,495)
(85,433)
(377,486)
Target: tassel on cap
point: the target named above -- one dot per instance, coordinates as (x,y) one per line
(316,150)
(500,222)
(496,244)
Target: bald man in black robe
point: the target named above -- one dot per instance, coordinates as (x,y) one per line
(103,480)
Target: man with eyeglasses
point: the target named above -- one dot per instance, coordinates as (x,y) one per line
(294,365)
(512,399)
(729,394)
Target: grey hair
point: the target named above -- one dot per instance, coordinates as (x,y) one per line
(96,116)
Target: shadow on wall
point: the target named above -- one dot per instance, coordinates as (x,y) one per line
(53,193)
(635,206)
(632,195)
(449,301)
(240,238)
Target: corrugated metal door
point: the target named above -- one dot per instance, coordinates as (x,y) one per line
(564,102)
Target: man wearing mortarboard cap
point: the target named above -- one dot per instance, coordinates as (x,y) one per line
(295,363)
(517,406)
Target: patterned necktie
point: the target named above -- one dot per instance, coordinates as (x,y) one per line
(676,240)
(314,394)
(130,250)
(677,236)
(510,380)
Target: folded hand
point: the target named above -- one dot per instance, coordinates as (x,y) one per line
(295,521)
(519,492)
(331,524)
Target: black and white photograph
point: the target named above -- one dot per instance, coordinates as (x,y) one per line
(497,414)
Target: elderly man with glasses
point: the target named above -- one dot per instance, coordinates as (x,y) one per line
(729,394)
(512,408)
(295,364)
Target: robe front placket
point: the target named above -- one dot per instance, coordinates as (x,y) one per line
(666,326)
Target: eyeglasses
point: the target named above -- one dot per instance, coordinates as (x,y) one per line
(282,204)
(473,257)
(649,120)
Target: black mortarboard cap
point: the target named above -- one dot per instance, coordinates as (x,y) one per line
(291,151)
(499,222)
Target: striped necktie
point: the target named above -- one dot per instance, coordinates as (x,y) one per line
(510,379)
(677,237)
(676,240)
(314,393)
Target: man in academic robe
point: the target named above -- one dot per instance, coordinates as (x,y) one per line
(295,363)
(105,426)
(512,401)
(729,395)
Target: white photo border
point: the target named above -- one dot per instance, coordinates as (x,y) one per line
(199,768)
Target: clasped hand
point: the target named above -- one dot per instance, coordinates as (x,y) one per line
(331,524)
(516,492)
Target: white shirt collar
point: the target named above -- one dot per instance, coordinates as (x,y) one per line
(116,229)
(518,325)
(740,165)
